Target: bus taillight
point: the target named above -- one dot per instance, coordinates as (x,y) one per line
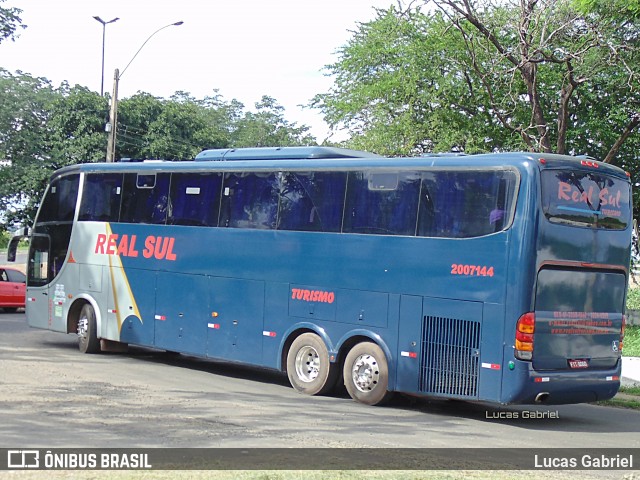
(525,329)
(589,163)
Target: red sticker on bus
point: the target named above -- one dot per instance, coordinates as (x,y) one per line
(472,270)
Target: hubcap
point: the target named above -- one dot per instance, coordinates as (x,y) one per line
(83,327)
(365,373)
(307,364)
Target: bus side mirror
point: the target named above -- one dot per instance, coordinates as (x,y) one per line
(13,245)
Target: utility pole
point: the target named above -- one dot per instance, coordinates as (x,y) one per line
(113,119)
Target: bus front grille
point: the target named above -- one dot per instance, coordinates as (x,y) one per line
(450,356)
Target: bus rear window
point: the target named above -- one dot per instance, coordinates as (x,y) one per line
(585,199)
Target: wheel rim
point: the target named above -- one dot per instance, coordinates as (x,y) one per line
(307,364)
(83,327)
(365,373)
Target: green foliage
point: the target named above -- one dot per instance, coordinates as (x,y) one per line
(267,127)
(399,88)
(24,116)
(630,390)
(631,347)
(485,76)
(633,299)
(43,128)
(624,9)
(10,22)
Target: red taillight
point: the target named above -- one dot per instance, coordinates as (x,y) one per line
(525,328)
(624,324)
(589,163)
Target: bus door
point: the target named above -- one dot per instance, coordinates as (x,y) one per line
(39,302)
(235,327)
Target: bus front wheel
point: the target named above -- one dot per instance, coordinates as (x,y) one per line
(308,366)
(366,374)
(88,341)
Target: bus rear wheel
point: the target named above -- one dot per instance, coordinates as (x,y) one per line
(366,374)
(308,366)
(88,341)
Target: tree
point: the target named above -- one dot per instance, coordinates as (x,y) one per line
(43,128)
(479,75)
(10,22)
(24,114)
(186,125)
(622,9)
(267,127)
(403,85)
(135,115)
(556,51)
(75,129)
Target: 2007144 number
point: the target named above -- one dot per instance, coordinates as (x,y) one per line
(471,270)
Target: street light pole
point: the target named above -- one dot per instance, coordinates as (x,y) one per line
(104,28)
(113,112)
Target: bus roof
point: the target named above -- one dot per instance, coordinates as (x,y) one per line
(280,153)
(302,158)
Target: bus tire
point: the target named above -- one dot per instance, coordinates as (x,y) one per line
(308,366)
(87,336)
(366,374)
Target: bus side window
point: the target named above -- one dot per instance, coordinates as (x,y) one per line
(426,213)
(249,200)
(143,200)
(312,201)
(465,204)
(101,197)
(195,199)
(385,204)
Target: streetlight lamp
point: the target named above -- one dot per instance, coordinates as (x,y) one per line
(104,27)
(113,114)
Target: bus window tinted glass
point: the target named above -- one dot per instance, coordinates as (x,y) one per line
(312,201)
(585,199)
(385,204)
(59,204)
(142,203)
(463,204)
(101,197)
(195,199)
(249,200)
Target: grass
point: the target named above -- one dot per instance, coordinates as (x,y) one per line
(627,397)
(622,401)
(633,299)
(630,390)
(631,347)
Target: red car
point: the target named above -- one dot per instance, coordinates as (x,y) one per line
(12,289)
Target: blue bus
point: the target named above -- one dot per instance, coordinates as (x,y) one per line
(497,277)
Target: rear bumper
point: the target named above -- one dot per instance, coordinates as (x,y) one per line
(557,387)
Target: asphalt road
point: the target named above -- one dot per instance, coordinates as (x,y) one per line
(53,396)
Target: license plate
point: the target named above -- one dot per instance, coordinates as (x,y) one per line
(579,363)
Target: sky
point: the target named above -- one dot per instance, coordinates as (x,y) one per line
(243,48)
